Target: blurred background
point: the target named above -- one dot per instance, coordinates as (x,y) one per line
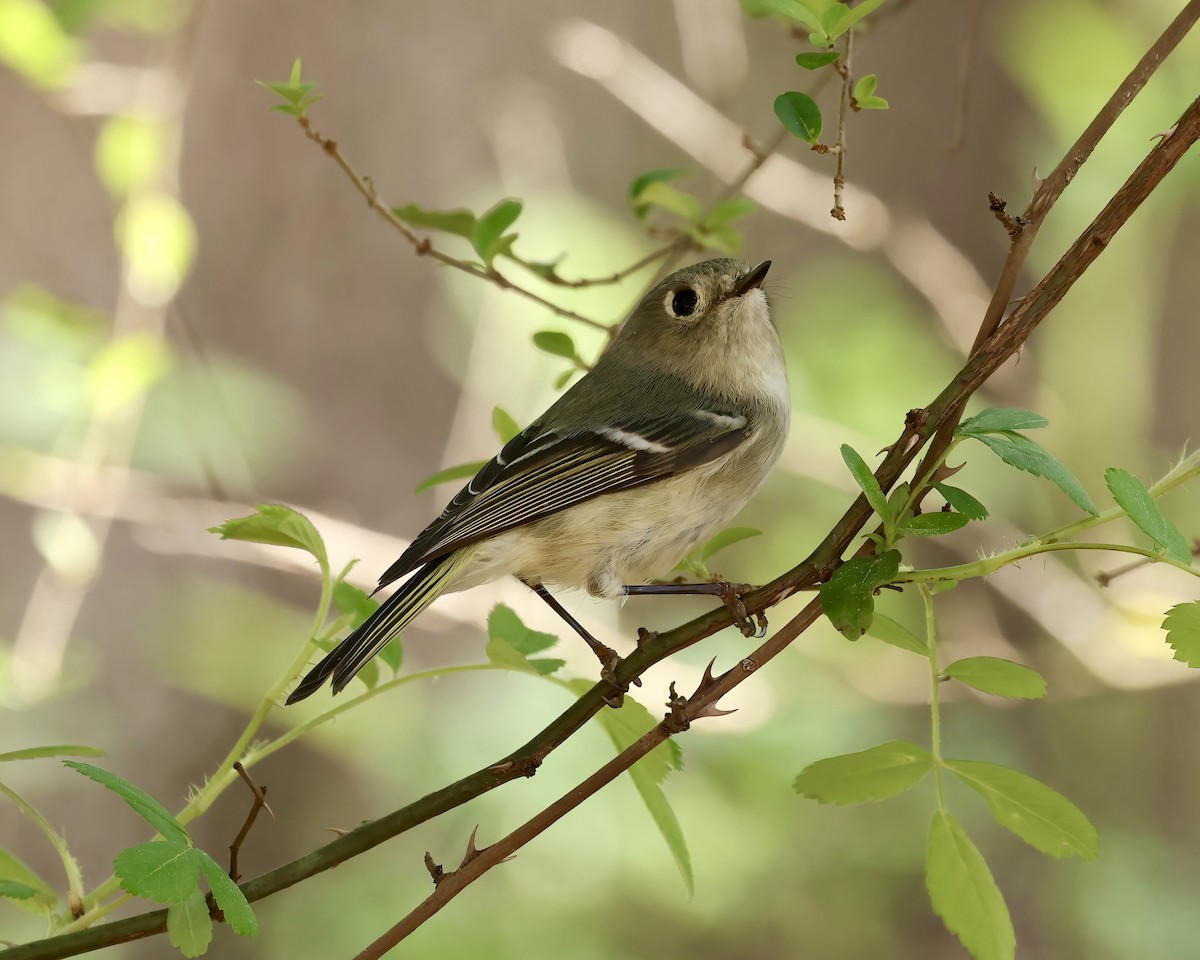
(198,312)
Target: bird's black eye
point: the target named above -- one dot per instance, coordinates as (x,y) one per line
(683,303)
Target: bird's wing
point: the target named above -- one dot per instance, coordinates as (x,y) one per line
(542,471)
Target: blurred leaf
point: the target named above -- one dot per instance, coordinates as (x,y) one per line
(1133,497)
(355,602)
(556,344)
(640,209)
(660,194)
(144,805)
(34,45)
(1182,624)
(157,236)
(962,501)
(124,370)
(504,426)
(1040,816)
(800,115)
(459,222)
(487,235)
(723,238)
(1001,420)
(848,596)
(129,153)
(12,890)
(875,774)
(229,897)
(162,870)
(729,210)
(890,631)
(564,378)
(935,524)
(864,94)
(189,927)
(392,653)
(299,96)
(510,643)
(814,61)
(461,472)
(727,538)
(963,893)
(838,19)
(1003,678)
(1021,452)
(866,481)
(788,9)
(12,870)
(277,525)
(56,750)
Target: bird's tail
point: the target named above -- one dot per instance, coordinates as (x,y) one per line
(349,656)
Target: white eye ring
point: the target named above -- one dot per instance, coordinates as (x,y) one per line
(671,305)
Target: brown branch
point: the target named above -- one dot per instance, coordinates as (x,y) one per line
(260,803)
(553,277)
(843,67)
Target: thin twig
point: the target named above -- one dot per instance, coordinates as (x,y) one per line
(1106,577)
(843,67)
(422,246)
(553,277)
(260,803)
(958,127)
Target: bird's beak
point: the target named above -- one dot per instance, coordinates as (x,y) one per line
(753,280)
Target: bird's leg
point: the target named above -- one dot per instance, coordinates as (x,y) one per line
(730,593)
(609,661)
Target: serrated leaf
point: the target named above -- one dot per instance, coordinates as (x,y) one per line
(144,805)
(865,478)
(999,677)
(1001,420)
(660,194)
(459,222)
(935,524)
(890,631)
(503,424)
(848,596)
(729,210)
(727,538)
(1021,452)
(355,602)
(962,501)
(14,871)
(278,525)
(814,61)
(1039,815)
(487,235)
(875,774)
(800,115)
(1133,497)
(461,472)
(1182,624)
(14,890)
(504,623)
(556,344)
(964,894)
(56,750)
(229,897)
(189,927)
(162,870)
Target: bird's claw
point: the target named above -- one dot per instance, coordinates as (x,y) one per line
(731,595)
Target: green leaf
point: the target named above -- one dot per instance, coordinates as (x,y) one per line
(162,870)
(890,631)
(189,927)
(487,235)
(727,538)
(392,653)
(668,824)
(510,643)
(935,524)
(12,890)
(354,602)
(963,893)
(1182,624)
(864,94)
(14,871)
(461,472)
(660,194)
(556,344)
(458,222)
(1040,816)
(229,897)
(642,181)
(788,9)
(295,77)
(724,238)
(866,481)
(144,805)
(564,378)
(278,525)
(962,501)
(1001,420)
(875,774)
(729,210)
(503,424)
(1003,678)
(1021,452)
(1133,497)
(814,61)
(800,115)
(848,596)
(57,750)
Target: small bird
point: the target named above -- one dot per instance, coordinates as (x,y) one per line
(648,455)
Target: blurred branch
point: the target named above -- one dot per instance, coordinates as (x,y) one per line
(958,127)
(553,277)
(422,246)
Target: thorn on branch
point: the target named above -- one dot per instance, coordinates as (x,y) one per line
(1163,134)
(675,721)
(645,637)
(436,873)
(1014,225)
(260,803)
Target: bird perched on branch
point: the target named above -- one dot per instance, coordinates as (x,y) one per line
(648,455)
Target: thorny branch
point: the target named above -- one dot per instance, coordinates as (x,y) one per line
(260,803)
(994,347)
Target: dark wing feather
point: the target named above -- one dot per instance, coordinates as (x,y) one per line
(540,472)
